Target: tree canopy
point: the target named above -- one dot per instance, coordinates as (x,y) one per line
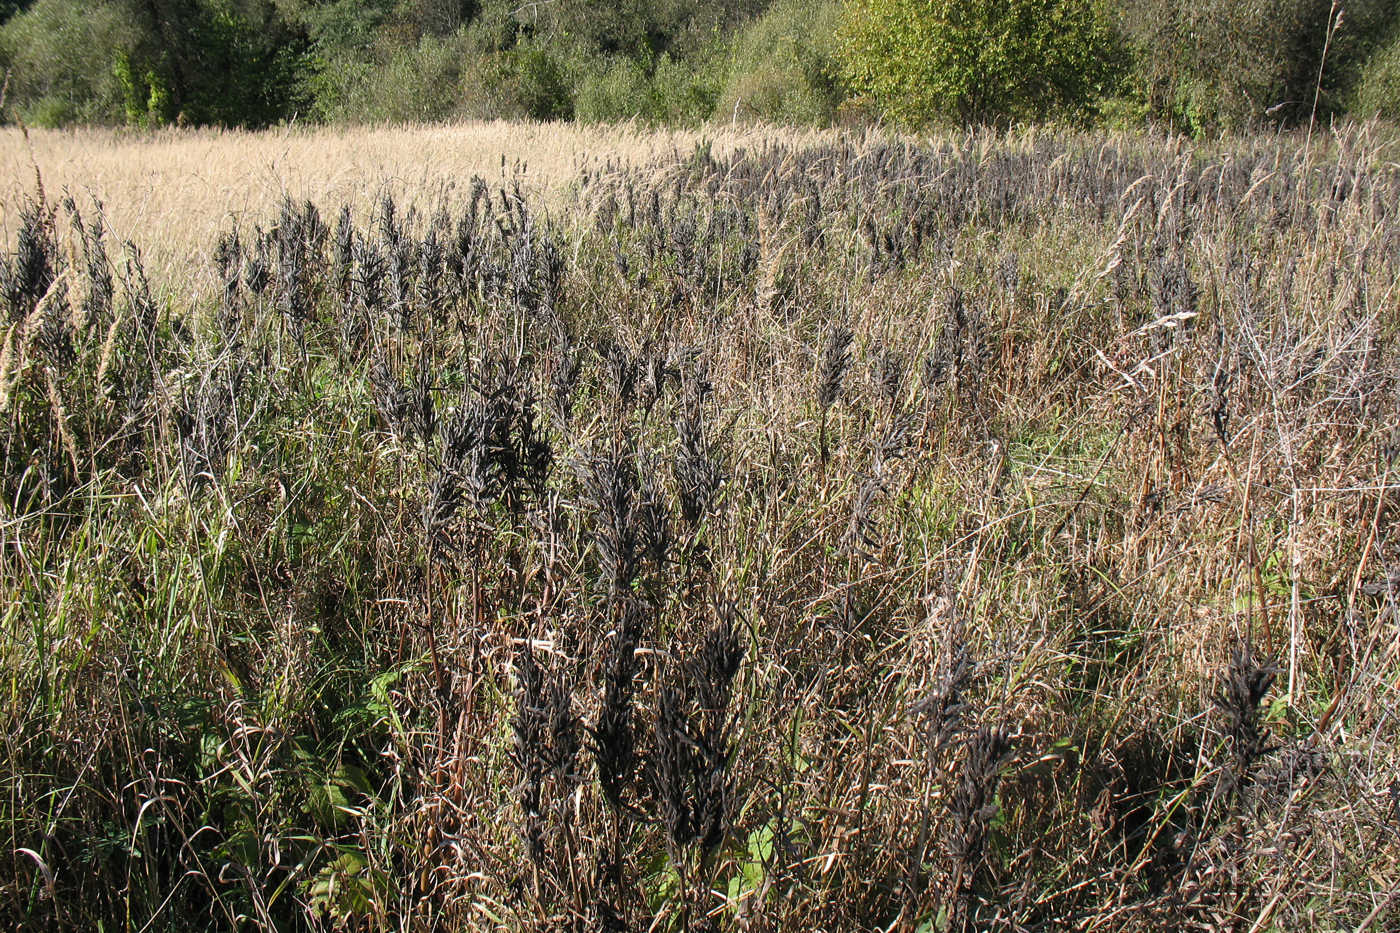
(1197,66)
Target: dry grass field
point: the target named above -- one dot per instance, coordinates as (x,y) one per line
(174,191)
(751,532)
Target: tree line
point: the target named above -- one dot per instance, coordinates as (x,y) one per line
(1199,66)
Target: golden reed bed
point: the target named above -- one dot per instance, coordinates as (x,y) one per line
(174,190)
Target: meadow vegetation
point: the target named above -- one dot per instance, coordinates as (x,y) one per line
(841,532)
(1196,67)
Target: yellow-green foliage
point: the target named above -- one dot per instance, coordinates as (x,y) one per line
(921,61)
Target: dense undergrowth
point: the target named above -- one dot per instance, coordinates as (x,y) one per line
(856,535)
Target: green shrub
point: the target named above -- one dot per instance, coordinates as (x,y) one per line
(1377,92)
(620,88)
(978,61)
(686,90)
(338,25)
(613,88)
(1224,65)
(211,61)
(418,83)
(50,113)
(540,82)
(60,53)
(335,85)
(530,81)
(785,66)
